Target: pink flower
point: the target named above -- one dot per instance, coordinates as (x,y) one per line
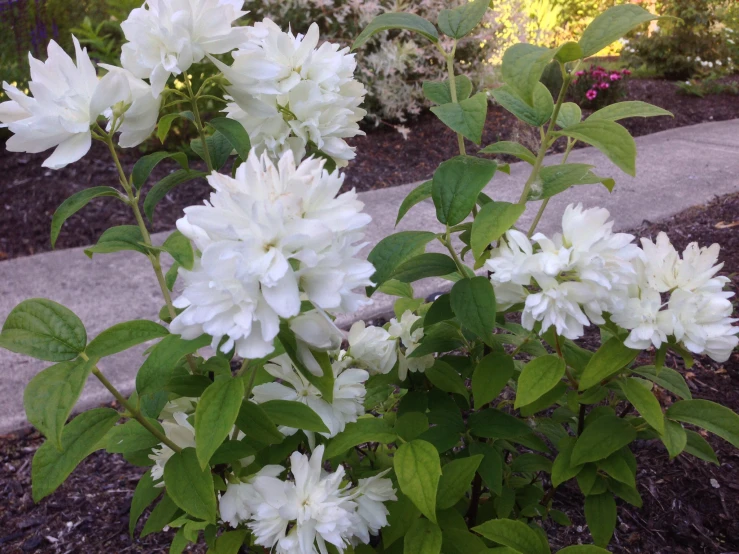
(626,72)
(591,94)
(604,85)
(579,73)
(615,76)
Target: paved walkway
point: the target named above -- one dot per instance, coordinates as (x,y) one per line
(676,169)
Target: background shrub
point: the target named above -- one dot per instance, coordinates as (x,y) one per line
(596,87)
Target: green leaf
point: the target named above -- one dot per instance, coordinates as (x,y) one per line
(144,166)
(418,194)
(396,288)
(178,246)
(554,179)
(235,134)
(229,542)
(418,469)
(600,514)
(166,184)
(568,52)
(256,425)
(143,496)
(456,479)
(164,125)
(424,537)
(395,249)
(407,21)
(460,21)
(51,395)
(537,115)
(466,117)
(631,108)
(610,138)
(492,221)
(583,549)
(440,310)
(611,25)
(156,371)
(494,424)
(325,382)
(610,358)
(45,330)
(219,148)
(699,447)
(458,540)
(162,514)
(473,302)
(569,114)
(512,149)
(430,264)
(644,401)
(538,377)
(131,436)
(629,494)
(402,515)
(441,92)
(294,414)
(531,463)
(123,336)
(75,203)
(490,376)
(563,470)
(708,415)
(491,468)
(522,67)
(514,534)
(445,377)
(674,438)
(617,466)
(117,239)
(668,379)
(456,185)
(215,416)
(189,486)
(81,437)
(410,425)
(601,438)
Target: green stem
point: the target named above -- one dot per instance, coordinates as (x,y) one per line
(547,137)
(198,123)
(570,144)
(137,415)
(249,386)
(453,90)
(448,243)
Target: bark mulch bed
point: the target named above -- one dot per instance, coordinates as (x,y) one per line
(30,193)
(690,506)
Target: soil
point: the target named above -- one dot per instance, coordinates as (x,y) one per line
(30,193)
(689,507)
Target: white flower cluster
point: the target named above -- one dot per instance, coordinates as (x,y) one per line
(303,515)
(290,94)
(410,338)
(272,237)
(572,279)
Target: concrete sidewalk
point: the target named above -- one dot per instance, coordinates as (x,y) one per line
(676,169)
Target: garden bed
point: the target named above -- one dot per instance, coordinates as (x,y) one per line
(689,505)
(30,193)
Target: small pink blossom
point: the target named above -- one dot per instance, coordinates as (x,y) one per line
(626,72)
(591,94)
(615,76)
(604,85)
(579,73)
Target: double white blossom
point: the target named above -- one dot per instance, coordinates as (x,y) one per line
(167,36)
(291,94)
(348,394)
(237,504)
(270,237)
(373,347)
(403,329)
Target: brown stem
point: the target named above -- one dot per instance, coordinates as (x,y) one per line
(474,501)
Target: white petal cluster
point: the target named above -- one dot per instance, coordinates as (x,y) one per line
(410,338)
(348,400)
(165,37)
(59,113)
(373,347)
(291,94)
(302,516)
(569,280)
(271,237)
(680,297)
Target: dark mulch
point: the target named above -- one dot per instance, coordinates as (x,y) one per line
(30,193)
(690,506)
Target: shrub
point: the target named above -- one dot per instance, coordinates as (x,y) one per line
(386,443)
(596,87)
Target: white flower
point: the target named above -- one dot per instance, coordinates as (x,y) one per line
(512,261)
(270,237)
(290,94)
(403,330)
(300,517)
(372,347)
(559,306)
(133,105)
(348,394)
(648,322)
(237,504)
(180,432)
(370,495)
(167,36)
(60,112)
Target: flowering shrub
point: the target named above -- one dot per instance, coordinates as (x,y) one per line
(597,87)
(394,439)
